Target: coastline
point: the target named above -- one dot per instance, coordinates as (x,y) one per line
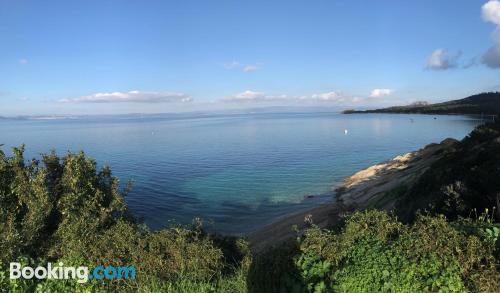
(367,188)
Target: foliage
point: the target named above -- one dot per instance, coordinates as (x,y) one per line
(275,270)
(375,252)
(465,178)
(65,209)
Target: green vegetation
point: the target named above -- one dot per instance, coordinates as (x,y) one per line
(484,103)
(65,209)
(463,182)
(374,252)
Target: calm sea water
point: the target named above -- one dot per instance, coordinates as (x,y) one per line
(237,172)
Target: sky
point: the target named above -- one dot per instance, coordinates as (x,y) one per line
(113,57)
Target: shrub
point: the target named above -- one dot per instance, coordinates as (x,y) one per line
(66,210)
(375,252)
(275,270)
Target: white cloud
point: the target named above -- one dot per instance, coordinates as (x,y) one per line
(23,61)
(235,65)
(441,59)
(335,97)
(231,65)
(329,96)
(131,97)
(492,57)
(490,11)
(249,95)
(381,93)
(253,96)
(357,99)
(250,68)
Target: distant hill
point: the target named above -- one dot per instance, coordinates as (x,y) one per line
(484,103)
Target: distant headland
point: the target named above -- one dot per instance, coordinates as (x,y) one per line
(480,104)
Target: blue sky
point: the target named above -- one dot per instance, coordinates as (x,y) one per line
(93,57)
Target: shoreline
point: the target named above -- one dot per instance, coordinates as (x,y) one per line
(367,188)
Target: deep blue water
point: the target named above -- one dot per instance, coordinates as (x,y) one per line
(237,172)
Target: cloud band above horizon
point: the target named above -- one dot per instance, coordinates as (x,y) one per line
(332,97)
(131,97)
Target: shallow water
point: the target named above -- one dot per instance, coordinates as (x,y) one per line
(237,172)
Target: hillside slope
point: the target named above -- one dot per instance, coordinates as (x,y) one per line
(466,177)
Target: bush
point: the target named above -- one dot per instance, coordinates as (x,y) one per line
(463,178)
(275,270)
(66,210)
(375,252)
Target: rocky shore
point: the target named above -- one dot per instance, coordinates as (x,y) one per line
(373,187)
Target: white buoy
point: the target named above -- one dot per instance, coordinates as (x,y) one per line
(345,131)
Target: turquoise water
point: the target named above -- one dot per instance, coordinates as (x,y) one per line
(237,172)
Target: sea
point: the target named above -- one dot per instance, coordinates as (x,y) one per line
(237,172)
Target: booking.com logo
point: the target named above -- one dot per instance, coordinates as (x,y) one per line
(82,273)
